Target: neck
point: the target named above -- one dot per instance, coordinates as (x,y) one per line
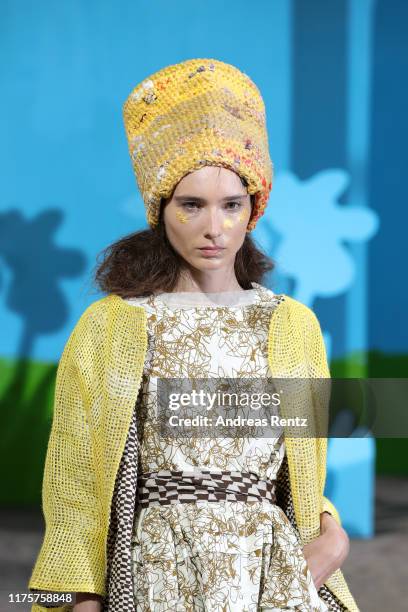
(214,282)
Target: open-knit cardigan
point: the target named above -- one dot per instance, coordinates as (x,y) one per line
(98,380)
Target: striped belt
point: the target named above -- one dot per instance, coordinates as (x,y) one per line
(164,488)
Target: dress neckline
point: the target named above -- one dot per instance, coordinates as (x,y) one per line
(211,298)
(258,295)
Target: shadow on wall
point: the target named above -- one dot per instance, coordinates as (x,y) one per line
(35,264)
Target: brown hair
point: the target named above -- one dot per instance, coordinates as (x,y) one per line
(145,263)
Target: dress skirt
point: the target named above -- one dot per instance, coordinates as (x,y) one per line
(220,556)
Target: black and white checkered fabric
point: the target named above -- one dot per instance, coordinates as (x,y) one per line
(182,487)
(119,580)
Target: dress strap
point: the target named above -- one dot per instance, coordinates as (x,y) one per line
(181,487)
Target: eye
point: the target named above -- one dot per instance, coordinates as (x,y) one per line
(235,205)
(191,205)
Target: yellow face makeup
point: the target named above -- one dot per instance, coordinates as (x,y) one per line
(241,216)
(181,216)
(228,223)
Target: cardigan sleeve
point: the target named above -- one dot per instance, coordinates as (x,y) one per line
(71,555)
(320,374)
(328,506)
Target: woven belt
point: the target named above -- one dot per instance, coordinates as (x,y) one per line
(164,488)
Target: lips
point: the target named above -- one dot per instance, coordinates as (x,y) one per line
(211,250)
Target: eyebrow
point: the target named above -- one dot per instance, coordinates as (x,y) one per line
(197,199)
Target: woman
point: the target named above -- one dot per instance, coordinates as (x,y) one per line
(138,520)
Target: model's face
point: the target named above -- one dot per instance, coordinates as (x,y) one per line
(210,207)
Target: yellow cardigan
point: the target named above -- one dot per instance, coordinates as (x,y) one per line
(97,384)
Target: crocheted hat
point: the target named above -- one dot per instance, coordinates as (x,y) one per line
(199,112)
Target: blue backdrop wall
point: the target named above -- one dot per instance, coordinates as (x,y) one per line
(332,77)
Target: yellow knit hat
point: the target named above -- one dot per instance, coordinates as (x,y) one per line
(199,112)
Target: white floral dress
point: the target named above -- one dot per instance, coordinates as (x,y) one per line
(217,556)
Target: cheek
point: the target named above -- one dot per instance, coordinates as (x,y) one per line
(237,222)
(180,231)
(181,217)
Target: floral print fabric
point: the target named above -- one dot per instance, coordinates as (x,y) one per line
(213,556)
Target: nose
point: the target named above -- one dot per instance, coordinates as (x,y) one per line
(213,222)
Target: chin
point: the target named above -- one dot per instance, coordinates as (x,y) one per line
(200,263)
(209,265)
